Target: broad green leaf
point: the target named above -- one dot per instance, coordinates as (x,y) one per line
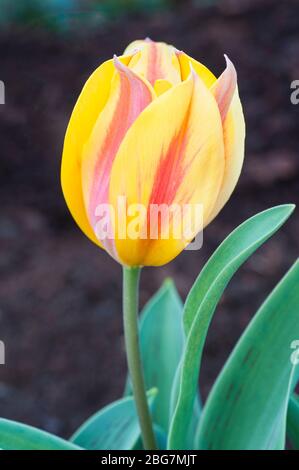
(161,342)
(247,406)
(115,427)
(293,422)
(197,408)
(203,299)
(19,436)
(232,253)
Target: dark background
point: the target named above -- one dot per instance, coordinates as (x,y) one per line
(60,296)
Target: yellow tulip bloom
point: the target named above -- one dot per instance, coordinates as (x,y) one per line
(153,127)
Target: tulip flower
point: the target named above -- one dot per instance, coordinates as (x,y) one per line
(152,127)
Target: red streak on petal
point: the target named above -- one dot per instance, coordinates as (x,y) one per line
(170,173)
(134,96)
(153,68)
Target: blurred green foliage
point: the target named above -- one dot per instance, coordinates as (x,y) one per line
(64,14)
(113,8)
(44,13)
(67,14)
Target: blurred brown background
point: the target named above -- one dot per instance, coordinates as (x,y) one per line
(60,296)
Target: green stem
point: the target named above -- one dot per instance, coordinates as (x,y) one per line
(130,309)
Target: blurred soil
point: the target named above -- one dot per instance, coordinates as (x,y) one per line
(60,297)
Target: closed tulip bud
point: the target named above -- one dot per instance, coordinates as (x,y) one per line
(152,128)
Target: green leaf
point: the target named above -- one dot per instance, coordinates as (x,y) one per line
(293,422)
(196,412)
(115,427)
(161,342)
(247,406)
(203,299)
(19,436)
(232,253)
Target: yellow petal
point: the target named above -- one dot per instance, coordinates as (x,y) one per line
(172,154)
(129,95)
(155,61)
(161,86)
(234,141)
(90,103)
(135,46)
(202,71)
(226,94)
